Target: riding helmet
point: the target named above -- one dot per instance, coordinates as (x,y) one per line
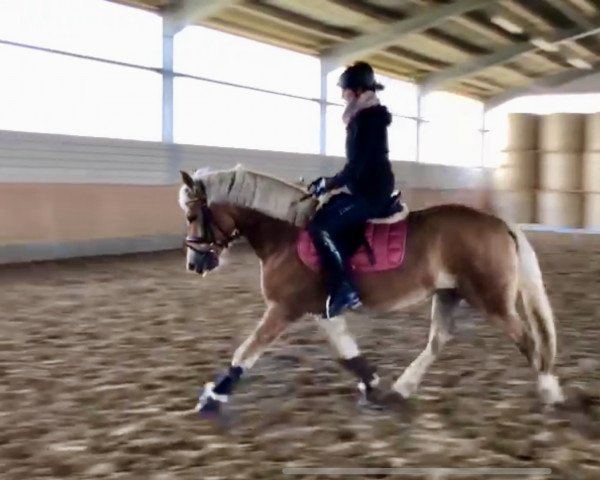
(359,75)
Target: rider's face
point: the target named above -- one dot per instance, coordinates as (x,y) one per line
(348,95)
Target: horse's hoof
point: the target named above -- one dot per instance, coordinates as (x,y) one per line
(365,403)
(376,399)
(210,403)
(386,398)
(396,401)
(209,409)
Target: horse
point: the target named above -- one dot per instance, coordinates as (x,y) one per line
(453,253)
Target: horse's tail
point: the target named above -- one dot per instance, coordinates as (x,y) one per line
(537,305)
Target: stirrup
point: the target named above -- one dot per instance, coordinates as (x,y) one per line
(352,303)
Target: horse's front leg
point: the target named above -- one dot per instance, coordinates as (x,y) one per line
(274,322)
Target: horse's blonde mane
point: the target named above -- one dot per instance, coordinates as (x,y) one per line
(258,191)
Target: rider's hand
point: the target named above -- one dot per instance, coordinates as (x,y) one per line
(318,187)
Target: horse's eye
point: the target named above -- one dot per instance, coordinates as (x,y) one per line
(192,218)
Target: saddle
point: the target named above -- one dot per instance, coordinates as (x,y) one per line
(382,244)
(394,212)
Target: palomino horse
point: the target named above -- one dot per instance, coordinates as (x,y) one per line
(453,253)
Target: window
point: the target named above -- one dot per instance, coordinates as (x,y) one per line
(334,94)
(452,133)
(336,131)
(496,124)
(450,144)
(449,107)
(400,97)
(402,139)
(219,56)
(548,103)
(49,93)
(91,27)
(219,115)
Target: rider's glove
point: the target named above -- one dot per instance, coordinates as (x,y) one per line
(318,187)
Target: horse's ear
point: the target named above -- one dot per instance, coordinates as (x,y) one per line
(201,190)
(188,181)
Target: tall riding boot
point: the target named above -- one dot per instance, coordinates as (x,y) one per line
(342,293)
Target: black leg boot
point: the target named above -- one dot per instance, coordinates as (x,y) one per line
(342,293)
(215,394)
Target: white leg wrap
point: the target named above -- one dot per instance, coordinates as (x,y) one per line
(373,383)
(340,337)
(549,388)
(208,393)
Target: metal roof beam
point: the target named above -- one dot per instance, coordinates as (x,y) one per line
(391,33)
(385,15)
(573,14)
(499,57)
(543,85)
(188,12)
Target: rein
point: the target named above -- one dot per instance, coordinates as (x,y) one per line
(209,225)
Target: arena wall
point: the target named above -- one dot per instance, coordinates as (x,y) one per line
(64,196)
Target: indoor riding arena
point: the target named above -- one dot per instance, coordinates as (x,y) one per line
(107,340)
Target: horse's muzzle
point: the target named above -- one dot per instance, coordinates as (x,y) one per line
(203,262)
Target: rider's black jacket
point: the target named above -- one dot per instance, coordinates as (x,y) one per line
(368,171)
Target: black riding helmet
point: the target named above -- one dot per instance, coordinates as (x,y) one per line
(359,75)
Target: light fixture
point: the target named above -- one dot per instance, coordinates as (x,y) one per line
(545,45)
(506,24)
(579,63)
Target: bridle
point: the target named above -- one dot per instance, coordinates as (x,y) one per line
(209,238)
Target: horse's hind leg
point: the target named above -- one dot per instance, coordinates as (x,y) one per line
(528,344)
(442,325)
(499,304)
(533,345)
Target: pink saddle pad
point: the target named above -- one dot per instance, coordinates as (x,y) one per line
(388,241)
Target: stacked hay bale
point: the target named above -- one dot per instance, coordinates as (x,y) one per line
(515,178)
(591,173)
(560,198)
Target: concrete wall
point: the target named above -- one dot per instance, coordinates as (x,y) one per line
(64,196)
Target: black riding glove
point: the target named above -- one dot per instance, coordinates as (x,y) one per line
(319,186)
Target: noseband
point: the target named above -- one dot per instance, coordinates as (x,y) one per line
(209,239)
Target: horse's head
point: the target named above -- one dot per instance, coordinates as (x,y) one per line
(207,236)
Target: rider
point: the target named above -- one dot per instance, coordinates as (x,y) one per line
(367,176)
